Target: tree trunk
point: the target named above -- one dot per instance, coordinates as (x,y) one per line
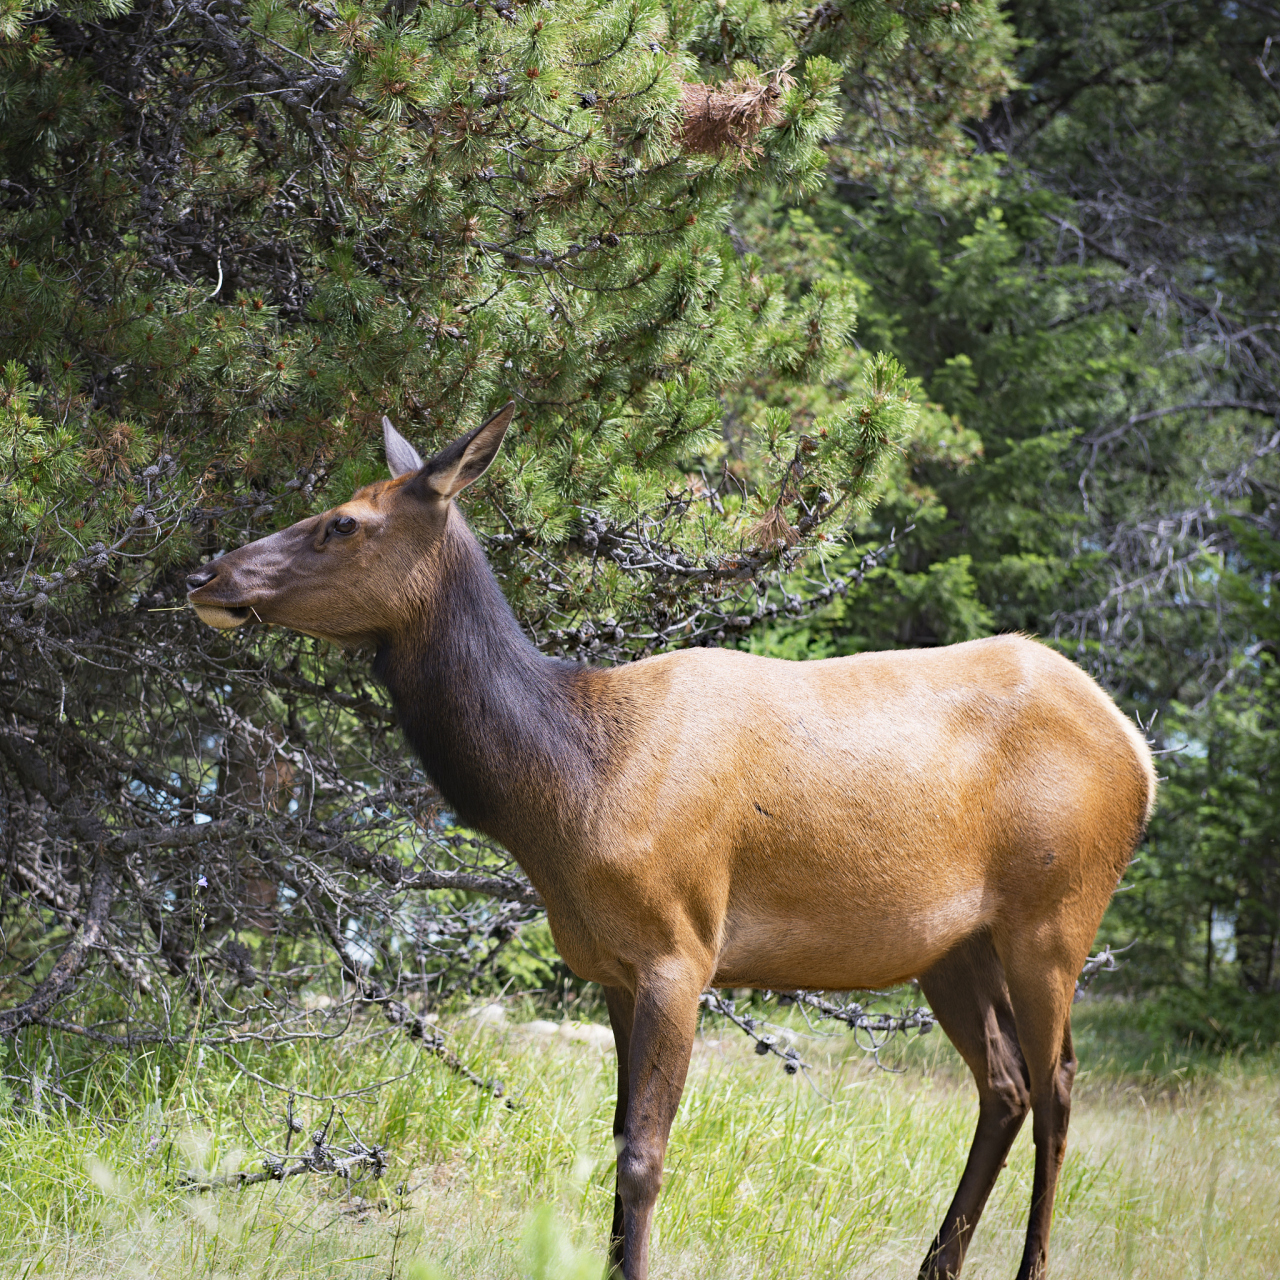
(1208,948)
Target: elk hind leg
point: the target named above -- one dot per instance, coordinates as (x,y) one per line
(969,996)
(1041,973)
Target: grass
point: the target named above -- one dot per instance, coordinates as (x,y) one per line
(1171,1170)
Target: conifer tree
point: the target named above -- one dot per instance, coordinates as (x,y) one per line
(233,235)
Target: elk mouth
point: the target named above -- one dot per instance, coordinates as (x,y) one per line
(224,617)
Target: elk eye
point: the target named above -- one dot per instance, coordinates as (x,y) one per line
(344,524)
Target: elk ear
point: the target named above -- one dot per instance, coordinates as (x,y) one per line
(466,460)
(401,455)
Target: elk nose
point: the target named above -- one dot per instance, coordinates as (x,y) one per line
(201,578)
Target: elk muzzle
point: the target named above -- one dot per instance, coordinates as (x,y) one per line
(211,611)
(232,590)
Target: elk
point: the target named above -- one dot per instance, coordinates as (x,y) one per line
(959,816)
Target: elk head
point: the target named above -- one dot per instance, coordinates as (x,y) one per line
(354,574)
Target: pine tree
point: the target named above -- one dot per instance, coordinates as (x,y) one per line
(234,234)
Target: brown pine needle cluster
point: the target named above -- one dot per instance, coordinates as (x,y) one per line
(774,529)
(730,116)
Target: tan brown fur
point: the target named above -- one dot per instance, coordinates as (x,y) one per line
(709,817)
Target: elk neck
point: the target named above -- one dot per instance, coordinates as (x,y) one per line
(517,743)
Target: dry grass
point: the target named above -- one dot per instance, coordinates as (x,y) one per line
(1171,1171)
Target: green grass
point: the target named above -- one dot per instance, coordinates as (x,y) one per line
(1171,1170)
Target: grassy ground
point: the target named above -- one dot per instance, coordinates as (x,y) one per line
(1171,1171)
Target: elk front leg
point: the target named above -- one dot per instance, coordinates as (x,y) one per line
(662,1030)
(621,1015)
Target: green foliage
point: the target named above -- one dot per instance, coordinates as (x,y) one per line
(1205,891)
(1015,366)
(494,202)
(531,963)
(1225,1018)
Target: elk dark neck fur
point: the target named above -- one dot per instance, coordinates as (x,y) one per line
(516,743)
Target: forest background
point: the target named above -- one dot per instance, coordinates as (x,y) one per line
(856,326)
